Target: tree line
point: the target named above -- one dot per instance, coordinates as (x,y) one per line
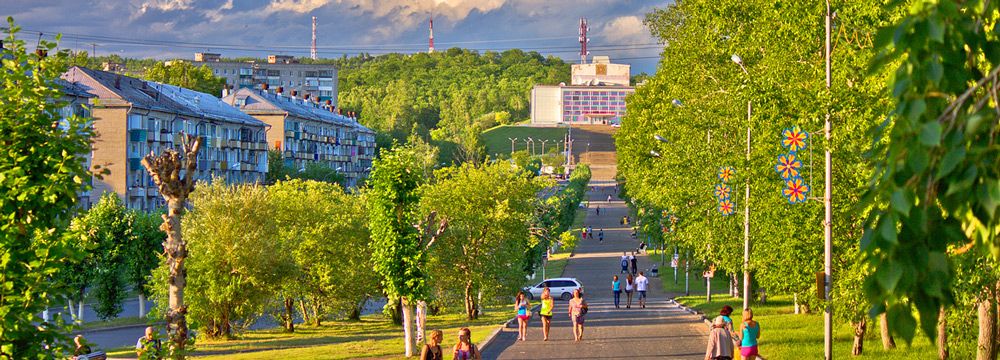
(913,172)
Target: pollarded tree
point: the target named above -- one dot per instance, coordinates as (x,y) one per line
(40,177)
(489,209)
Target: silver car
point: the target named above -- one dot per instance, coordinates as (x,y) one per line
(560,288)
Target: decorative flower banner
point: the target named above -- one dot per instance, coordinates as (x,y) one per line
(726,173)
(727,207)
(788,166)
(794,139)
(795,190)
(722,192)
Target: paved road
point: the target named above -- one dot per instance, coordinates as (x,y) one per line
(660,331)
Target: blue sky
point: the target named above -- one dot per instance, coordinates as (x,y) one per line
(178,28)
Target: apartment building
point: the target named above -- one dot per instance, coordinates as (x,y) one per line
(133,117)
(75,100)
(317,80)
(309,131)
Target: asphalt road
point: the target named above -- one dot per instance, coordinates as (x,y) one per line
(660,331)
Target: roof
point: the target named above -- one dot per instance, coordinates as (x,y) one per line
(150,95)
(71,89)
(263,102)
(206,105)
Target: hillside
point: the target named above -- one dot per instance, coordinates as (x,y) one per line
(497,140)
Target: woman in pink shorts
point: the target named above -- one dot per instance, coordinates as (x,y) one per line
(751,332)
(523,314)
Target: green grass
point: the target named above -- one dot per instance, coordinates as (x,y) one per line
(497,139)
(697,283)
(373,336)
(785,335)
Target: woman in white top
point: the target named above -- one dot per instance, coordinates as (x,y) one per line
(629,287)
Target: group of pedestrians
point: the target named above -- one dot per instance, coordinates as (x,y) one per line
(464,350)
(577,310)
(722,340)
(588,233)
(637,285)
(627,260)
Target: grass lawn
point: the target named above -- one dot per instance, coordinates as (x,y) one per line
(373,336)
(785,335)
(497,139)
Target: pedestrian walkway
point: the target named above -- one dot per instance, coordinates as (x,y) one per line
(660,331)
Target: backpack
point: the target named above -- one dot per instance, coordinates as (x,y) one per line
(624,262)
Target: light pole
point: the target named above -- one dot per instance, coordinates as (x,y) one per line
(530,142)
(543,145)
(746,199)
(828,217)
(512,140)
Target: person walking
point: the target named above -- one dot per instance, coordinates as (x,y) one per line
(523,308)
(629,287)
(546,313)
(465,349)
(720,341)
(624,263)
(590,232)
(432,349)
(609,198)
(641,282)
(635,263)
(600,236)
(750,330)
(598,210)
(577,311)
(616,288)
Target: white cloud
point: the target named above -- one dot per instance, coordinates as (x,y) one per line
(166,5)
(625,30)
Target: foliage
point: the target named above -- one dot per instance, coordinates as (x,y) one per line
(104,231)
(488,209)
(236,262)
(530,165)
(451,90)
(140,252)
(40,177)
(940,180)
(186,75)
(781,46)
(397,254)
(277,170)
(325,231)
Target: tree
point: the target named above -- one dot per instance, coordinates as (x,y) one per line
(325,229)
(186,75)
(40,178)
(165,170)
(106,230)
(935,191)
(237,260)
(398,248)
(488,209)
(277,170)
(140,255)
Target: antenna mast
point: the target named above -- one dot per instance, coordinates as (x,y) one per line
(431,48)
(312,52)
(584,40)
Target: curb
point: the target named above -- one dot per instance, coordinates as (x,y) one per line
(492,336)
(692,311)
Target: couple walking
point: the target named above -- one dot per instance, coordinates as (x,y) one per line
(722,340)
(629,260)
(638,285)
(577,310)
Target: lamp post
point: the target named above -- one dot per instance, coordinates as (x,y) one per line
(530,142)
(746,199)
(543,145)
(512,140)
(827,209)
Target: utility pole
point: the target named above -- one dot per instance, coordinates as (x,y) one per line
(828,216)
(312,51)
(746,218)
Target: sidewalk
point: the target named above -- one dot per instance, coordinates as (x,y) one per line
(661,330)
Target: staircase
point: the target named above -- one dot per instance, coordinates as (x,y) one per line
(600,154)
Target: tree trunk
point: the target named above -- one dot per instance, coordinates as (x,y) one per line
(142,306)
(735,285)
(72,310)
(986,348)
(79,313)
(942,337)
(408,328)
(763,296)
(860,328)
(176,251)
(470,302)
(795,299)
(888,342)
(306,319)
(289,315)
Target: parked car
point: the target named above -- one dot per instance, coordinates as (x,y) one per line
(560,288)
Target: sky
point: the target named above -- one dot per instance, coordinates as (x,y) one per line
(166,29)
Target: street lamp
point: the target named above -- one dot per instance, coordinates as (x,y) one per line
(512,140)
(543,145)
(746,198)
(659,138)
(654,153)
(532,143)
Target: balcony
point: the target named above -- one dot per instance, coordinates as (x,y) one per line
(135,164)
(233,143)
(139,135)
(137,191)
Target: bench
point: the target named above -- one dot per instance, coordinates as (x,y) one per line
(96,355)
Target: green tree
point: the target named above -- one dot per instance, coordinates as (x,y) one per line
(936,190)
(398,249)
(105,229)
(40,177)
(277,170)
(237,259)
(488,210)
(186,75)
(140,255)
(326,231)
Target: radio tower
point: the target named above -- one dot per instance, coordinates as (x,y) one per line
(312,51)
(583,40)
(431,48)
